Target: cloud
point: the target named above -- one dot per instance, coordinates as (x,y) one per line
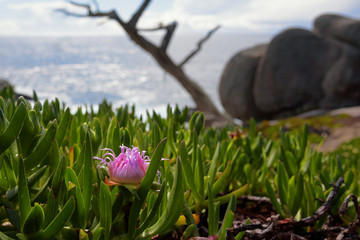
(32,17)
(38,9)
(251,15)
(40,18)
(242,15)
(9,27)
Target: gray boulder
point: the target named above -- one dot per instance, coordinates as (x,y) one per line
(237,81)
(338,27)
(291,72)
(341,85)
(5,83)
(298,70)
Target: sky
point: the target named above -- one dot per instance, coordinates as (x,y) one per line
(38,17)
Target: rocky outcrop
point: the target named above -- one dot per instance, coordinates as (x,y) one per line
(5,83)
(235,94)
(341,85)
(338,27)
(298,69)
(291,71)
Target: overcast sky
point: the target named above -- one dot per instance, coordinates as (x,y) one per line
(37,17)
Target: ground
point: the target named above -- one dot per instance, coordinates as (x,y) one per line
(350,129)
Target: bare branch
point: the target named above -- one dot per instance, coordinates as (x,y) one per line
(321,211)
(68,13)
(159,27)
(169,33)
(199,45)
(96,4)
(80,5)
(151,29)
(111,14)
(170,28)
(202,100)
(344,206)
(135,18)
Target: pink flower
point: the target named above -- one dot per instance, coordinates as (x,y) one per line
(129,167)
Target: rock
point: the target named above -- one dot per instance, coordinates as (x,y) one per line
(338,27)
(299,70)
(291,72)
(237,81)
(341,85)
(6,83)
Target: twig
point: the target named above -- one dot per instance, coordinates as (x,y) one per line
(244,227)
(351,230)
(283,227)
(96,4)
(199,45)
(80,5)
(170,28)
(344,206)
(110,14)
(69,13)
(161,26)
(256,199)
(323,209)
(289,235)
(135,18)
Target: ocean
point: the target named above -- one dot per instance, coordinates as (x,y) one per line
(82,71)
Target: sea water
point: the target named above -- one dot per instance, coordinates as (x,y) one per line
(82,71)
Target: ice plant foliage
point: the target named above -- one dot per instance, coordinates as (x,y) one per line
(129,167)
(62,198)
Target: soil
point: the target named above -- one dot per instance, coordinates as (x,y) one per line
(256,216)
(349,129)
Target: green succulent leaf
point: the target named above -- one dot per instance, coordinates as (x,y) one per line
(273,199)
(105,209)
(299,194)
(144,187)
(153,212)
(222,180)
(99,234)
(72,179)
(213,165)
(199,172)
(189,231)
(282,183)
(58,222)
(34,221)
(63,127)
(188,172)
(227,223)
(228,218)
(24,196)
(13,129)
(213,214)
(3,120)
(174,207)
(5,237)
(87,174)
(42,148)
